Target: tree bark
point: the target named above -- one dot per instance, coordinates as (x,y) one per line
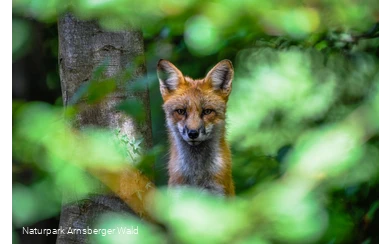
(83,46)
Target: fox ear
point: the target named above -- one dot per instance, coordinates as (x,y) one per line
(221,76)
(169,76)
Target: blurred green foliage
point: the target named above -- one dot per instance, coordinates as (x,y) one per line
(303,119)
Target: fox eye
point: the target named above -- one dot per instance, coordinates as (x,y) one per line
(181,111)
(207,111)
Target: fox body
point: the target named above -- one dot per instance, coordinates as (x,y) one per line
(195,116)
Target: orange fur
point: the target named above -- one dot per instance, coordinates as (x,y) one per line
(198,105)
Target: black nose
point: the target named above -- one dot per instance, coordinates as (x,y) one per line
(193,134)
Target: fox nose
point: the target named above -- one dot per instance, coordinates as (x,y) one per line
(193,134)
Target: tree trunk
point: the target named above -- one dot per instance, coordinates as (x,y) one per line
(83,46)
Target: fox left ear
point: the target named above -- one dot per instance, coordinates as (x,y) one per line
(169,76)
(221,76)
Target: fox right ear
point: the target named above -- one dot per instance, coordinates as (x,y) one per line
(169,76)
(221,77)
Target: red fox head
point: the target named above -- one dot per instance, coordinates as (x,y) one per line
(195,109)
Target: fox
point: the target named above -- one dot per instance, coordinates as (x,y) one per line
(195,112)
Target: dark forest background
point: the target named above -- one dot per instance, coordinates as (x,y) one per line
(302,117)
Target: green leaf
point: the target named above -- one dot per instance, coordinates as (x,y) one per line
(373,209)
(133,108)
(100,89)
(139,141)
(79,94)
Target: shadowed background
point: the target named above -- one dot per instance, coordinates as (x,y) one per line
(302,117)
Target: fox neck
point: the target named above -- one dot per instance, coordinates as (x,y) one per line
(198,164)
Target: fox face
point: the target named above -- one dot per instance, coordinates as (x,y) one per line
(195,109)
